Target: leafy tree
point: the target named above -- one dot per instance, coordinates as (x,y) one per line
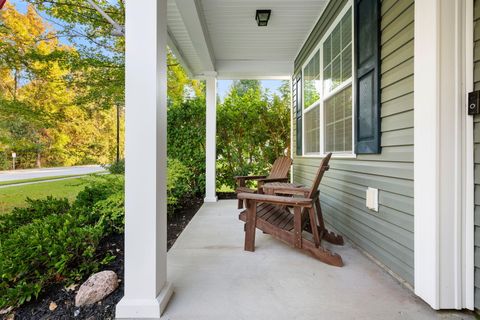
(252,130)
(97,64)
(186,139)
(40,118)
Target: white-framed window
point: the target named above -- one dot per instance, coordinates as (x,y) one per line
(328,90)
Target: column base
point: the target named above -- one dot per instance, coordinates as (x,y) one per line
(130,308)
(210,199)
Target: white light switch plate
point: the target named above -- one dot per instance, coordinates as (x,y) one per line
(372,199)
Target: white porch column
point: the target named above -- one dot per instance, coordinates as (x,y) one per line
(211,138)
(443,151)
(146,289)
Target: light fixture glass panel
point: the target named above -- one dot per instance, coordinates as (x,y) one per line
(263,16)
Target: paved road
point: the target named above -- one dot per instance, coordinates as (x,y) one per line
(47,172)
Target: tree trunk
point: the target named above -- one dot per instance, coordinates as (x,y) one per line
(118,133)
(15,88)
(38,162)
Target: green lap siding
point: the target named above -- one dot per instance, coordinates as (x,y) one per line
(387,235)
(476,138)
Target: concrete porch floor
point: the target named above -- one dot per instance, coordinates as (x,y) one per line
(214,278)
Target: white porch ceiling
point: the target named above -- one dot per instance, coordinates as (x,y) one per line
(222,36)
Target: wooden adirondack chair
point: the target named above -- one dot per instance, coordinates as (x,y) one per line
(279,173)
(273,215)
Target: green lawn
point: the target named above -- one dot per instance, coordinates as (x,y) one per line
(11,197)
(4,183)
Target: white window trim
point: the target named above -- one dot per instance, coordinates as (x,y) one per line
(323,97)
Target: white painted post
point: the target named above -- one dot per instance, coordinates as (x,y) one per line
(211,135)
(146,289)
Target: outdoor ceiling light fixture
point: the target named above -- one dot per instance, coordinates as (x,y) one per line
(262,16)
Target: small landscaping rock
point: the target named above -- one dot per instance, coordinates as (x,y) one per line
(97,287)
(5,311)
(52,306)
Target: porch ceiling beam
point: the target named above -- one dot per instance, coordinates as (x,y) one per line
(254,69)
(192,16)
(172,44)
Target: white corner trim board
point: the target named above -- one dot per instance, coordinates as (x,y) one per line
(443,249)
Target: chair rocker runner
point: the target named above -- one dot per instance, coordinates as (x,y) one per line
(279,173)
(273,215)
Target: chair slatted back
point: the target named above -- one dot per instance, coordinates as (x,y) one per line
(318,178)
(280,167)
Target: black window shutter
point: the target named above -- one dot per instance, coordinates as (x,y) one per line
(297,111)
(367,79)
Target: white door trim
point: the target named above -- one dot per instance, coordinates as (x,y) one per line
(443,151)
(469,181)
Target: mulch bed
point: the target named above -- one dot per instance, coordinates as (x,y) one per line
(103,310)
(226,195)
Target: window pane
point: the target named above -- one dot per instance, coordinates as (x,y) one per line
(336,41)
(329,143)
(312,130)
(311,75)
(336,72)
(339,136)
(347,63)
(347,28)
(337,54)
(327,78)
(338,122)
(327,51)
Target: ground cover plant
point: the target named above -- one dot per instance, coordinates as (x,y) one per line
(51,240)
(55,240)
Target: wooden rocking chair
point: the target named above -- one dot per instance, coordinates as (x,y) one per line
(272,214)
(279,173)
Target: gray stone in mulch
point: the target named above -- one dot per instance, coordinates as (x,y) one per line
(96,288)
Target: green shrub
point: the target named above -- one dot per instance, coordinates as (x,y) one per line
(186,139)
(117,167)
(178,183)
(251,145)
(5,162)
(100,189)
(34,210)
(50,241)
(111,213)
(48,250)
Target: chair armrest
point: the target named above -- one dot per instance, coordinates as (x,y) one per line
(249,177)
(303,191)
(267,180)
(286,201)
